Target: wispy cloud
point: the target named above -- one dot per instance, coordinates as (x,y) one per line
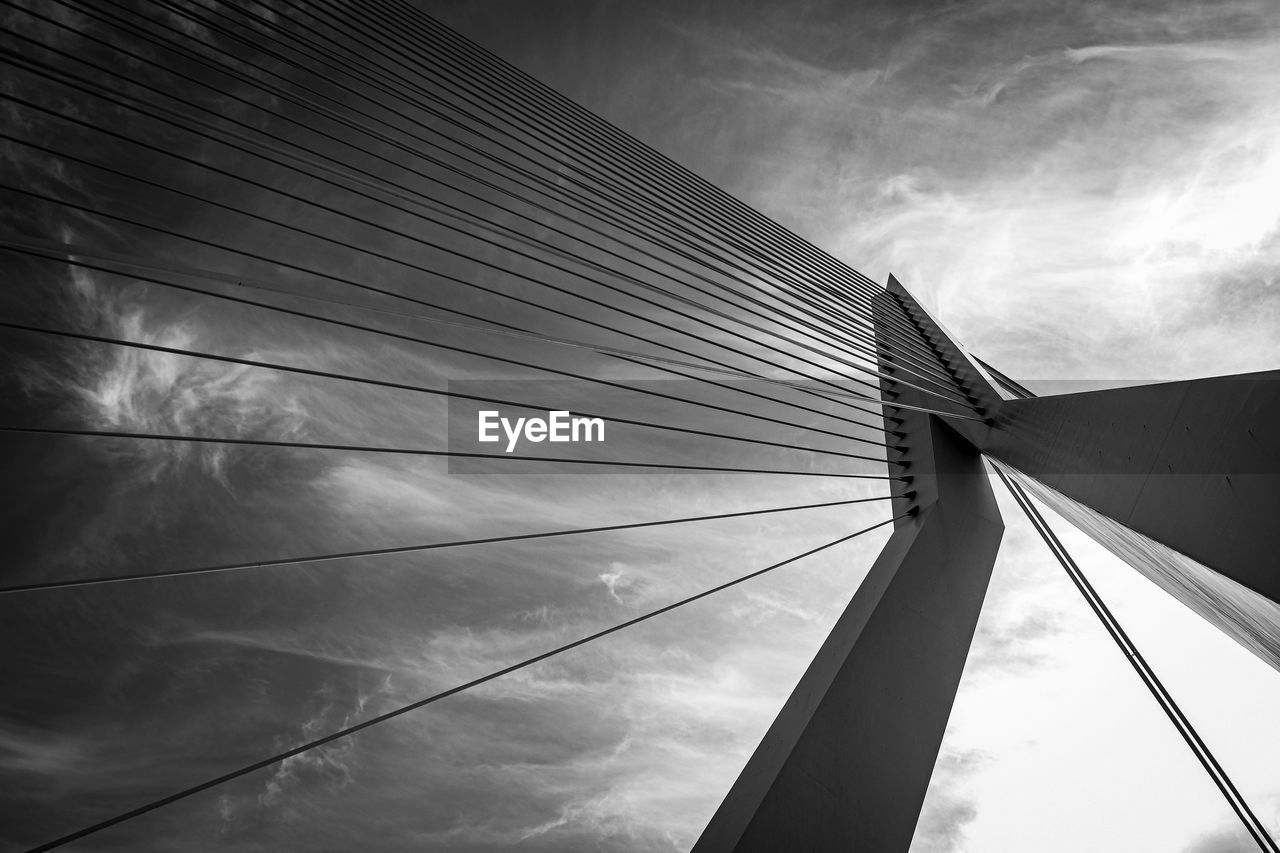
(119,388)
(1103,155)
(1231,839)
(948,807)
(50,755)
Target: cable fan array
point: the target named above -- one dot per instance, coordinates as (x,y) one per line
(385,185)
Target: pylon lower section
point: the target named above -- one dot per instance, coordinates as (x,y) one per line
(846,764)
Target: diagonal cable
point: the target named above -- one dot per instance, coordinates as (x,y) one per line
(421,703)
(67,583)
(1166,702)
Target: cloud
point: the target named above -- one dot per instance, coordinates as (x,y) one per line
(341,651)
(757,608)
(614,580)
(330,768)
(1109,155)
(1013,643)
(588,746)
(1231,839)
(43,754)
(1139,176)
(948,807)
(133,390)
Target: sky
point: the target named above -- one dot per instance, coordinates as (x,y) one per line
(1085,194)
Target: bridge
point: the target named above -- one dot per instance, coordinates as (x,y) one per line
(194,190)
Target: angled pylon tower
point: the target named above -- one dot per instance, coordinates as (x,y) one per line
(1176,478)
